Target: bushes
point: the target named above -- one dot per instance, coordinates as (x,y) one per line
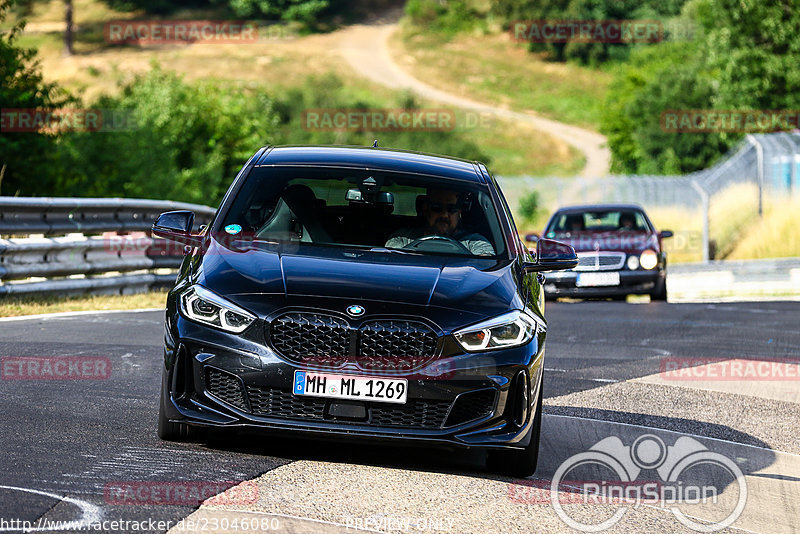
(191,139)
(188,143)
(443,16)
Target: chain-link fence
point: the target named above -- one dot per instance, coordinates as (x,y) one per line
(707,209)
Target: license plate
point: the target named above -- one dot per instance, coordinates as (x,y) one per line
(364,388)
(597,279)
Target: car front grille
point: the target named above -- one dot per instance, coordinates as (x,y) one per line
(395,345)
(272,402)
(471,406)
(600,261)
(311,338)
(326,341)
(225,387)
(282,404)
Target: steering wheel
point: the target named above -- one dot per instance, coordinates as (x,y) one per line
(457,245)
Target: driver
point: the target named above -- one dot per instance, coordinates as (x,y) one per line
(441,211)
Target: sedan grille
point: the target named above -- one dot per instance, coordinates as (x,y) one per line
(320,340)
(600,261)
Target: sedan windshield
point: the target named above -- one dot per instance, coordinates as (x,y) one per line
(598,221)
(359,208)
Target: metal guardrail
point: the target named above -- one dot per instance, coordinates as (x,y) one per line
(779,277)
(72,245)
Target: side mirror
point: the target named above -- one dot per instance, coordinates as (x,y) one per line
(552,256)
(177,226)
(665,234)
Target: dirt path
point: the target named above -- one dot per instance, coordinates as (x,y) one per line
(365,47)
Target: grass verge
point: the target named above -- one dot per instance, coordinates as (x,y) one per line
(489,67)
(775,235)
(35,304)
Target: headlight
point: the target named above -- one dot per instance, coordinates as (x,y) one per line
(508,330)
(199,304)
(633,262)
(648,259)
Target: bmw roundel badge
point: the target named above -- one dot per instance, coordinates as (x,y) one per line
(355,310)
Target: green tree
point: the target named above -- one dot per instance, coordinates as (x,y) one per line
(26,158)
(745,58)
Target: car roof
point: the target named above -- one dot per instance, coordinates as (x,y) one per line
(373,158)
(599,207)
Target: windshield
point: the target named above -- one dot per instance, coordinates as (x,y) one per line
(598,221)
(357,208)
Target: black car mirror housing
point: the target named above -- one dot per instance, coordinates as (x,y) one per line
(552,256)
(177,226)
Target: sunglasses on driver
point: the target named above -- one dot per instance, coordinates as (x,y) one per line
(438,207)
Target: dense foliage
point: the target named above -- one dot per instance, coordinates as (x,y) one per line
(24,159)
(745,58)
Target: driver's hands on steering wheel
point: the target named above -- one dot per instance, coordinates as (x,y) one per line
(443,239)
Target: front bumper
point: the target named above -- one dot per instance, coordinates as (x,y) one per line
(215,379)
(563,284)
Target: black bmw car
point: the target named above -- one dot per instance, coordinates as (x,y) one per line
(360,292)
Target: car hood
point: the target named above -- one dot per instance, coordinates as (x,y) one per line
(617,241)
(482,286)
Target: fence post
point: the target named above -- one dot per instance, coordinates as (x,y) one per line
(704,201)
(759,171)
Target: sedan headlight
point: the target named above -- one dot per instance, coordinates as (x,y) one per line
(648,259)
(199,304)
(633,262)
(508,330)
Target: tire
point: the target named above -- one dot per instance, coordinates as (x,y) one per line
(169,431)
(521,462)
(661,293)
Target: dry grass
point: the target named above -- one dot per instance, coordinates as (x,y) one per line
(492,68)
(776,235)
(273,63)
(32,305)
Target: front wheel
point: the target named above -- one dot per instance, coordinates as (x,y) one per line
(521,462)
(169,431)
(660,293)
